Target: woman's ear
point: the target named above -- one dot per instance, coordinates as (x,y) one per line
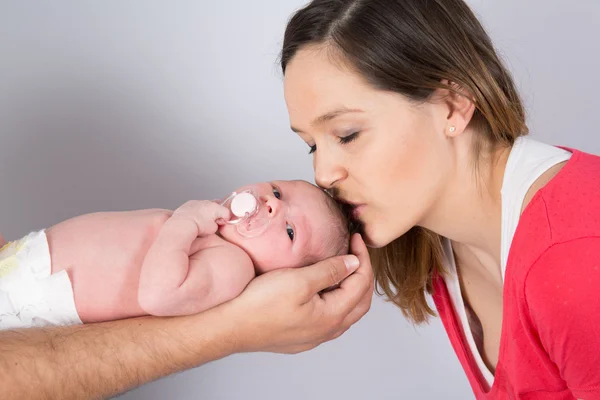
(461,108)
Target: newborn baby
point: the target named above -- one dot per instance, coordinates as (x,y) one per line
(113,265)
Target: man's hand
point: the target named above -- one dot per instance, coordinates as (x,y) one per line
(283,311)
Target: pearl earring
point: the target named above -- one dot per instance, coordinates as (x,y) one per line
(452,129)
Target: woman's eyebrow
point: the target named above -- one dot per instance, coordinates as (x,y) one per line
(329,116)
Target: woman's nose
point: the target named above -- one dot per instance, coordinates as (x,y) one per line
(328,171)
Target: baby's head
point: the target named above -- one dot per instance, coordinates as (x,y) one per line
(306,226)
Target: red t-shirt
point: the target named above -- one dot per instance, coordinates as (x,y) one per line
(550,341)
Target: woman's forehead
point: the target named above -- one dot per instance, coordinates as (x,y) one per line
(312,76)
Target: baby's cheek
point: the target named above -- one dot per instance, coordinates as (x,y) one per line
(228,233)
(265,252)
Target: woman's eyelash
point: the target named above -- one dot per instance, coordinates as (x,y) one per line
(343,140)
(349,138)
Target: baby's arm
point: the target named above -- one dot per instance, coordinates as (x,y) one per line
(181,273)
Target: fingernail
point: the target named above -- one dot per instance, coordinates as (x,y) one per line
(351,262)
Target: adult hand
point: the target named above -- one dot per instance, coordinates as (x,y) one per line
(283,311)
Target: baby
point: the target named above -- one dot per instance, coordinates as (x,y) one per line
(113,265)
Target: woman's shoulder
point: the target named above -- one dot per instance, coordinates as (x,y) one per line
(562,215)
(562,304)
(571,200)
(583,167)
(567,207)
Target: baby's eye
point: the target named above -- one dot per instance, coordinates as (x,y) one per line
(276,193)
(290,231)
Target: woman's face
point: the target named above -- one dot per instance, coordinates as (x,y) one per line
(375,149)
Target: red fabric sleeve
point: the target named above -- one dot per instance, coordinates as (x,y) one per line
(562,291)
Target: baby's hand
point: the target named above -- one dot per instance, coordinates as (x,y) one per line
(203,214)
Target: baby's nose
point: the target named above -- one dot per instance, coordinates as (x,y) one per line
(272,204)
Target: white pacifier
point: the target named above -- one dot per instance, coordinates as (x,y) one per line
(252,217)
(243,204)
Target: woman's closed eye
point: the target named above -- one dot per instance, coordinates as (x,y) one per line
(349,138)
(343,140)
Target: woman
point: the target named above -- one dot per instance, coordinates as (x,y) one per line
(412,118)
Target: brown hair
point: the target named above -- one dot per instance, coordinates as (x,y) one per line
(411,47)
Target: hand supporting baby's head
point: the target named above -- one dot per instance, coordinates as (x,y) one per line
(306,225)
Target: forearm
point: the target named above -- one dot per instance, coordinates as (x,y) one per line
(166,265)
(102,360)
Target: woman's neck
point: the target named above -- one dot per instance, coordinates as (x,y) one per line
(469,211)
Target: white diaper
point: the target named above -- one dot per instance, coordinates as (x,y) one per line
(30,296)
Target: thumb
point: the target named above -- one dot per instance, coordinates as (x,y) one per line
(327,273)
(220,214)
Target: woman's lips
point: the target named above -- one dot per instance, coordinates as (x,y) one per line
(354,209)
(357,210)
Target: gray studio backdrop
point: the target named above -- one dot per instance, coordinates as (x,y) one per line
(119,105)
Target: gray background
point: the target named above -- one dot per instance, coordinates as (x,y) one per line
(118,105)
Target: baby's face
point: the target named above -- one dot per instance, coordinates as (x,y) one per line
(297,232)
